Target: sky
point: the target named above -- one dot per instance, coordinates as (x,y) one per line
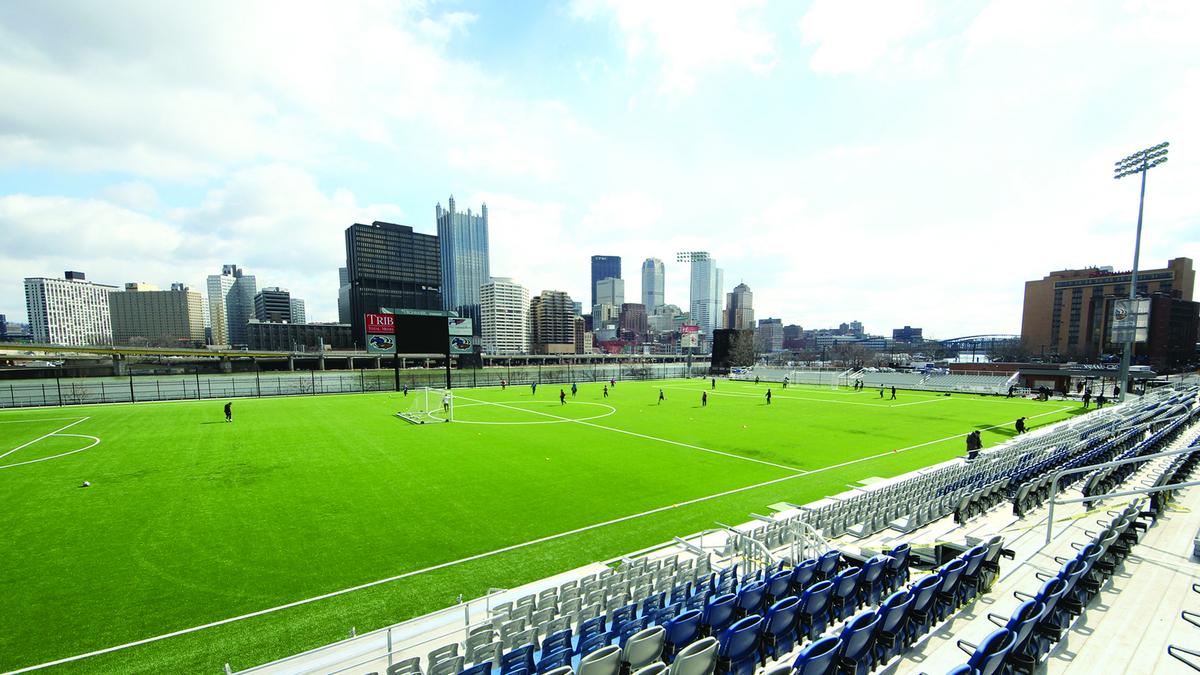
(898,162)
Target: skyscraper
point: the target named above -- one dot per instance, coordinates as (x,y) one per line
(391,267)
(145,315)
(653,284)
(504,312)
(552,323)
(769,335)
(739,308)
(604,267)
(231,304)
(273,305)
(707,282)
(463,238)
(70,311)
(343,295)
(298,314)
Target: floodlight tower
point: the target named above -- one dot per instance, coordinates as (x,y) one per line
(1139,162)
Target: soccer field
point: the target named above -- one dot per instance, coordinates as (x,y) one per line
(190,520)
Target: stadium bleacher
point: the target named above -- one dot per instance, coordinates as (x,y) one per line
(883,578)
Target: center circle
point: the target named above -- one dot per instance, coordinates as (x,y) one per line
(517,404)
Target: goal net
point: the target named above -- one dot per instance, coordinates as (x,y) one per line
(427,404)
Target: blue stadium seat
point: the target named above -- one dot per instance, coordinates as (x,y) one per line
(968,585)
(551,660)
(897,568)
(920,613)
(738,651)
(988,657)
(893,617)
(520,658)
(750,598)
(827,564)
(1023,656)
(803,575)
(778,585)
(845,593)
(779,629)
(558,641)
(855,654)
(817,658)
(870,581)
(814,609)
(681,632)
(718,613)
(484,668)
(947,595)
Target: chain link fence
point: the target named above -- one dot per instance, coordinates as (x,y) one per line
(140,388)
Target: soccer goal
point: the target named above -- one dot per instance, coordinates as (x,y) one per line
(427,404)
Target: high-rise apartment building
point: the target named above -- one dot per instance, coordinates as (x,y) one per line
(552,323)
(298,313)
(463,238)
(604,267)
(230,304)
(1066,312)
(273,305)
(504,312)
(769,335)
(343,295)
(707,284)
(654,279)
(145,315)
(70,311)
(390,267)
(739,308)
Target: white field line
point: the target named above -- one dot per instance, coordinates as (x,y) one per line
(44,419)
(471,558)
(95,442)
(634,433)
(713,392)
(932,400)
(41,437)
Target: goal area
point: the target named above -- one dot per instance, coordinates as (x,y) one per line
(428,404)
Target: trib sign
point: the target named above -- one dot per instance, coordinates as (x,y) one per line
(381,324)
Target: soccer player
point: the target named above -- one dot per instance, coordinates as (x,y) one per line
(1100,401)
(606,391)
(768,396)
(704,399)
(405,390)
(785,381)
(562,397)
(1087,398)
(893,392)
(755,379)
(881,391)
(229,412)
(446,402)
(661,398)
(574,390)
(1020,425)
(714,383)
(533,388)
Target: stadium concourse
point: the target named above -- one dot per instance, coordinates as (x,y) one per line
(962,567)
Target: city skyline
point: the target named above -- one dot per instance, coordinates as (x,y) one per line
(833,158)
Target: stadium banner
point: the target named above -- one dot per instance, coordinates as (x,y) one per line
(1131,320)
(459,325)
(380,324)
(381,344)
(689,335)
(462,344)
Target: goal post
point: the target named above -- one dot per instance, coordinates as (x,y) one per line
(428,404)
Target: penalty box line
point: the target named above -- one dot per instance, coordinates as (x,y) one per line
(634,433)
(478,556)
(60,429)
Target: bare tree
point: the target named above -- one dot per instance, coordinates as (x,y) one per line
(742,350)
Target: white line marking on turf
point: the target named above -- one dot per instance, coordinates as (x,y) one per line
(634,433)
(932,400)
(46,436)
(44,419)
(96,441)
(774,395)
(611,411)
(477,556)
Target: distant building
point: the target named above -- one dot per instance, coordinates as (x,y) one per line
(298,313)
(464,250)
(653,284)
(1067,311)
(610,291)
(273,305)
(144,315)
(632,321)
(552,323)
(769,335)
(707,289)
(793,337)
(231,304)
(343,295)
(390,266)
(665,319)
(3,327)
(504,312)
(578,307)
(604,267)
(305,337)
(907,334)
(70,311)
(739,308)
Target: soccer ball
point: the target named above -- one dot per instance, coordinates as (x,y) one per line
(87,483)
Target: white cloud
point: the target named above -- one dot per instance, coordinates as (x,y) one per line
(689,37)
(854,36)
(135,194)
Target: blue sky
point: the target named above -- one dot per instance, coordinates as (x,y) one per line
(894,162)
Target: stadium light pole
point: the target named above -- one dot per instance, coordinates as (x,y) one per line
(1139,162)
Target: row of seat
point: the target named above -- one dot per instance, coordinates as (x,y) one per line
(1026,636)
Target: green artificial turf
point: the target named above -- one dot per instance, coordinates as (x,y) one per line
(191,520)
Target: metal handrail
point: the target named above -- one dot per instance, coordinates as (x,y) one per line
(1125,493)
